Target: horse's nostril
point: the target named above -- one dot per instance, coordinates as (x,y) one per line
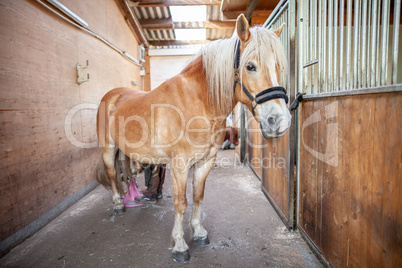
(271,121)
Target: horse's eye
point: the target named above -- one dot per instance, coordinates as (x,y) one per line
(250,67)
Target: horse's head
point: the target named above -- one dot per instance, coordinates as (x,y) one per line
(259,60)
(234,135)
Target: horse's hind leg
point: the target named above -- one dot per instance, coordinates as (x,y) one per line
(179,182)
(201,171)
(109,157)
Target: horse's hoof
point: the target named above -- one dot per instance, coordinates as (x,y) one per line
(201,241)
(181,256)
(119,210)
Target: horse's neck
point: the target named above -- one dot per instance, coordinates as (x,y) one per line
(195,74)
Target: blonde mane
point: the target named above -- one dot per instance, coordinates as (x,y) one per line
(218,63)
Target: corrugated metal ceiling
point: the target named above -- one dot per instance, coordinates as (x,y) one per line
(162,12)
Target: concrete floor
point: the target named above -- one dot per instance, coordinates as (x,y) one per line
(243,228)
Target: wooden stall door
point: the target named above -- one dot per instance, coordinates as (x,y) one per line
(253,143)
(275,176)
(350,204)
(269,159)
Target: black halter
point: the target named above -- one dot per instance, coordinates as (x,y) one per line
(263,96)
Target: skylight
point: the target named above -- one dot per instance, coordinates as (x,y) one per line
(191,34)
(189,14)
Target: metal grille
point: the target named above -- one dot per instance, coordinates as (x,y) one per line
(281,16)
(344,44)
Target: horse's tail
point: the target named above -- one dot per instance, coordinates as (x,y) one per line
(122,169)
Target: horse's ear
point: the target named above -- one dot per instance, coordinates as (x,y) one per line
(242,28)
(279,30)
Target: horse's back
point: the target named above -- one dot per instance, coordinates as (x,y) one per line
(120,94)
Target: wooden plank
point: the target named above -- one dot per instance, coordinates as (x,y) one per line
(255,142)
(274,173)
(357,218)
(376,227)
(228,5)
(258,20)
(157,24)
(40,166)
(332,212)
(353,179)
(147,67)
(308,181)
(319,173)
(233,14)
(392,240)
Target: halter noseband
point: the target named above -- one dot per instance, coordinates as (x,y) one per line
(265,95)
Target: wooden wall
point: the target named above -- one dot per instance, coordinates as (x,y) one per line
(40,167)
(275,173)
(253,144)
(350,179)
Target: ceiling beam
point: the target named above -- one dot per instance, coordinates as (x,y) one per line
(233,14)
(132,22)
(157,24)
(250,9)
(156,3)
(167,24)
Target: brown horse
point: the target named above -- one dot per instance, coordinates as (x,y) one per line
(182,122)
(232,135)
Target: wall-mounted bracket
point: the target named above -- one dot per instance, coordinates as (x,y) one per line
(80,73)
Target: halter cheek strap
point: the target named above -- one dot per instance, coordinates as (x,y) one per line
(263,96)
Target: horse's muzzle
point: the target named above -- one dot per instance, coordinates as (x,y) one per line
(274,126)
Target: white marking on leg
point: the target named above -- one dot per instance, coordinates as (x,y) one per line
(198,230)
(178,234)
(117,200)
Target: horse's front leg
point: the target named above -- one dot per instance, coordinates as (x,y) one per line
(201,171)
(179,174)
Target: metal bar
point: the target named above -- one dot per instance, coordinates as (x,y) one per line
(68,12)
(310,64)
(287,41)
(305,43)
(364,42)
(368,44)
(330,44)
(341,43)
(378,60)
(310,88)
(373,60)
(348,44)
(242,134)
(270,18)
(356,57)
(384,41)
(395,41)
(324,44)
(292,84)
(300,45)
(320,54)
(335,69)
(360,91)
